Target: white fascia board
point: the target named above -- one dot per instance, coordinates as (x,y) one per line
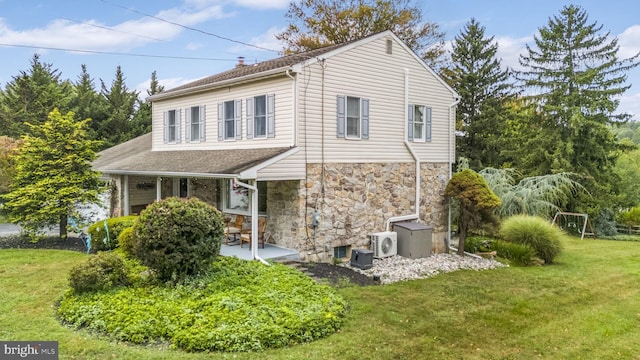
(167,174)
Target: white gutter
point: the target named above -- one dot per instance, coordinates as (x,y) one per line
(254,218)
(416,215)
(452,122)
(294,98)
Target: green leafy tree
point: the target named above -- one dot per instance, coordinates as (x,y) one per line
(116,128)
(88,103)
(477,76)
(317,23)
(141,123)
(627,169)
(576,79)
(30,96)
(8,149)
(53,174)
(476,202)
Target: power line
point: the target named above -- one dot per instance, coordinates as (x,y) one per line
(187,27)
(112,29)
(116,53)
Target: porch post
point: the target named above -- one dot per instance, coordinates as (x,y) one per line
(254,218)
(158,188)
(125,211)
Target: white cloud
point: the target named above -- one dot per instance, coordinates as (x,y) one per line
(194,46)
(509,50)
(263,4)
(266,40)
(629,42)
(630,104)
(95,36)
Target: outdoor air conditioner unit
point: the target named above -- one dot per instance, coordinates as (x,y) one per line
(384,244)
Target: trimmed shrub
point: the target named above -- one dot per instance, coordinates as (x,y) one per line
(99,239)
(99,273)
(517,254)
(125,241)
(534,231)
(178,238)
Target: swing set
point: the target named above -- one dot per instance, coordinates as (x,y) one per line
(574,223)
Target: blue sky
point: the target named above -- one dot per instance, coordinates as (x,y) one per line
(116,32)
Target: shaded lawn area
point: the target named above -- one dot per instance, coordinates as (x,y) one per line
(585,306)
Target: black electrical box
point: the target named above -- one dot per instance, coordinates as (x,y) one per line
(362,258)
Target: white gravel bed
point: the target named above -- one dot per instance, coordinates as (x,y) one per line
(398,268)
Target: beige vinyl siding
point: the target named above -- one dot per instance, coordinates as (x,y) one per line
(290,168)
(281,87)
(367,71)
(141,196)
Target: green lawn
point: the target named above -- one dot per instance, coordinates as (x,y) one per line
(586,306)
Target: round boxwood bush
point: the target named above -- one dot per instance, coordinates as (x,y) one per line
(99,273)
(534,231)
(125,241)
(107,238)
(177,238)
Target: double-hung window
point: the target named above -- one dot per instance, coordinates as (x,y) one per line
(171,125)
(229,120)
(353,117)
(261,116)
(195,124)
(419,123)
(237,199)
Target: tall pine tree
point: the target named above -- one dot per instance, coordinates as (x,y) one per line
(576,77)
(30,96)
(477,76)
(88,103)
(141,123)
(116,128)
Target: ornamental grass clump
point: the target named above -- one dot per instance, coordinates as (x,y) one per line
(535,232)
(177,238)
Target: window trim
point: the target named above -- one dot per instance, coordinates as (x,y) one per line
(176,126)
(189,124)
(342,118)
(237,121)
(269,117)
(426,127)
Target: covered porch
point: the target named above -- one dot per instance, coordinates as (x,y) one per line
(227,179)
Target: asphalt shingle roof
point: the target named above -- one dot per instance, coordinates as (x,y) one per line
(135,156)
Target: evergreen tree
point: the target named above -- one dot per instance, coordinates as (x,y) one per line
(53,174)
(141,123)
(317,23)
(116,128)
(576,76)
(30,96)
(478,78)
(88,103)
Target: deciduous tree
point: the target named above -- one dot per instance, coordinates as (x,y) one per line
(317,23)
(53,174)
(8,149)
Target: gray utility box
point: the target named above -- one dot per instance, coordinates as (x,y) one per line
(414,239)
(362,258)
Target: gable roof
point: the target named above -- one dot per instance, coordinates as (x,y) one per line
(135,157)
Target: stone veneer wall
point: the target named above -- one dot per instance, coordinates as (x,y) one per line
(358,200)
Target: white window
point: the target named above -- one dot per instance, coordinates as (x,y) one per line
(195,123)
(171,124)
(229,120)
(419,123)
(261,117)
(237,199)
(353,117)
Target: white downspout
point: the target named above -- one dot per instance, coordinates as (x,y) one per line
(294,99)
(158,188)
(452,122)
(254,219)
(416,215)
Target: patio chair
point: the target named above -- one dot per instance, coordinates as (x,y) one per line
(233,228)
(245,236)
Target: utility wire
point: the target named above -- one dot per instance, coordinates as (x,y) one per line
(117,53)
(187,27)
(112,29)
